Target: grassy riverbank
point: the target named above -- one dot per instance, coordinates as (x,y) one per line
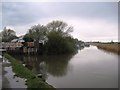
(32,80)
(111,47)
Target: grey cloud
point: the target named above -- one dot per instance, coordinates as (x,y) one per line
(86,9)
(19,13)
(104,15)
(25,13)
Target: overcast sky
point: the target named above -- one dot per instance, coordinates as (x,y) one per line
(91,20)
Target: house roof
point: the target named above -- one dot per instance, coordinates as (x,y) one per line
(18,40)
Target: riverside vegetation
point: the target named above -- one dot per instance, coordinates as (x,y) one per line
(57,40)
(55,36)
(111,47)
(32,80)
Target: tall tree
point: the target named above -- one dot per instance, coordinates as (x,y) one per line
(8,35)
(59,39)
(59,27)
(36,32)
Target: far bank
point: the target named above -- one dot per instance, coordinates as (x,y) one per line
(111,47)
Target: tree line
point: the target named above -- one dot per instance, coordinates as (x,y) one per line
(56,35)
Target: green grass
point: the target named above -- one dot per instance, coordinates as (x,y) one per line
(32,80)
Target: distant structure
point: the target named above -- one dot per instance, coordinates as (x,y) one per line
(18,45)
(19,39)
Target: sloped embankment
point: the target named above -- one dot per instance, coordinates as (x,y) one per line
(32,80)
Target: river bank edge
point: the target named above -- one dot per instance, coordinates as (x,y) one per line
(111,47)
(32,81)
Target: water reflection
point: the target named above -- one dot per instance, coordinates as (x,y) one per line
(56,66)
(9,80)
(43,70)
(81,48)
(91,68)
(106,51)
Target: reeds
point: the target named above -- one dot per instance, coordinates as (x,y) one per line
(111,47)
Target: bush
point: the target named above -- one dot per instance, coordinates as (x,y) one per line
(57,44)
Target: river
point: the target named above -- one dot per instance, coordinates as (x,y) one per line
(89,68)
